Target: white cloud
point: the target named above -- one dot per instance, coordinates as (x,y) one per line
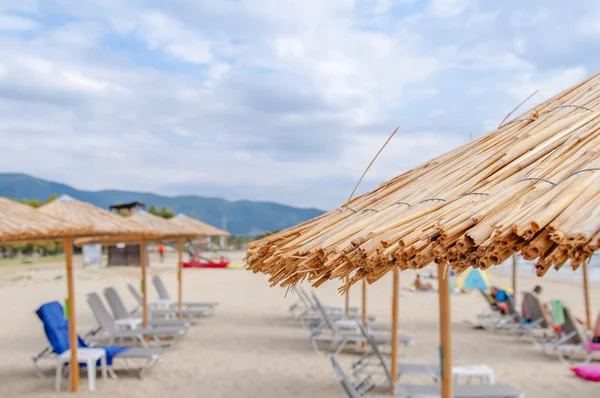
(171,36)
(236,100)
(548,84)
(16,24)
(448,8)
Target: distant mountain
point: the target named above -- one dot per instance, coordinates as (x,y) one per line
(243,217)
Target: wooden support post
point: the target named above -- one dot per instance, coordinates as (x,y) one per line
(445,332)
(586,295)
(514,278)
(144,261)
(364,308)
(73,343)
(347,305)
(394,357)
(179,274)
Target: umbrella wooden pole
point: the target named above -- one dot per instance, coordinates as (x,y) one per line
(347,305)
(73,343)
(144,261)
(394,358)
(445,332)
(586,295)
(179,274)
(514,278)
(364,308)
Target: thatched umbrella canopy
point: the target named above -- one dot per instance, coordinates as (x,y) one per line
(164,230)
(20,222)
(199,227)
(100,221)
(530,187)
(104,225)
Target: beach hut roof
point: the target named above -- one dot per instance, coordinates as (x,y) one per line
(200,228)
(20,222)
(99,221)
(531,186)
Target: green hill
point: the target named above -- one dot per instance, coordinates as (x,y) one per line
(243,217)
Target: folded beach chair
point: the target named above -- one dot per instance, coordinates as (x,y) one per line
(56,328)
(572,344)
(166,313)
(111,333)
(373,363)
(338,337)
(344,321)
(360,389)
(165,299)
(121,314)
(311,317)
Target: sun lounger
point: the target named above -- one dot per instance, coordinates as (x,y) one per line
(111,333)
(331,333)
(166,313)
(572,343)
(56,329)
(373,363)
(165,299)
(121,314)
(361,388)
(310,317)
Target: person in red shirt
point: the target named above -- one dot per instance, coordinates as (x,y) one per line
(161,251)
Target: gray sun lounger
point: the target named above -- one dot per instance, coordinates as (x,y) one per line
(164,297)
(373,362)
(361,388)
(110,332)
(311,317)
(120,312)
(331,333)
(571,344)
(166,313)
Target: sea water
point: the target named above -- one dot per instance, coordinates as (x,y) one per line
(526,267)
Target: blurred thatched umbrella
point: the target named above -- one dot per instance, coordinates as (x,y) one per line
(200,229)
(98,222)
(22,223)
(531,187)
(164,229)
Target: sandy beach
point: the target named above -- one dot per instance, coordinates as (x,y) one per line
(252,347)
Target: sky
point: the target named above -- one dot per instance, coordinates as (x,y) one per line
(285,101)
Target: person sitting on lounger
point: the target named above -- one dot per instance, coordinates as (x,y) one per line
(422,286)
(499,297)
(596,338)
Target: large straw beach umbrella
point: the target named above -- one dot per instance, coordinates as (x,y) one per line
(96,222)
(164,231)
(530,187)
(22,223)
(200,229)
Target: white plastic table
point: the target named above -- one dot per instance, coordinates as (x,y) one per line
(89,356)
(128,323)
(484,373)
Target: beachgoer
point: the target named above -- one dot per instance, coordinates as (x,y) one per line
(499,298)
(422,286)
(596,338)
(191,252)
(161,251)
